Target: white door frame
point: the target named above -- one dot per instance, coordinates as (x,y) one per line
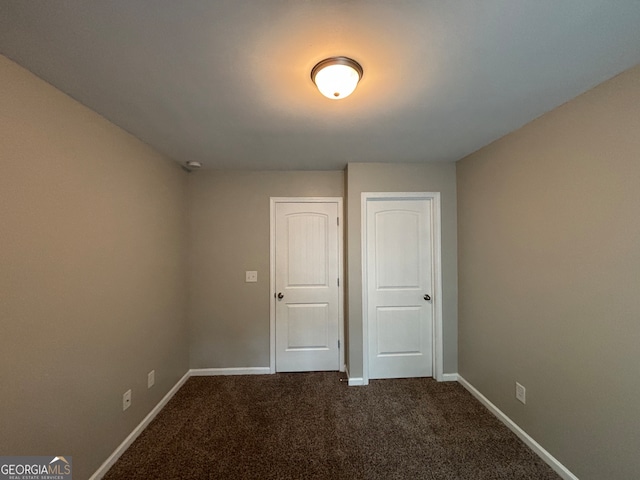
(272,273)
(437,275)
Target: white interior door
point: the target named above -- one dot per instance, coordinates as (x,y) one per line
(306,287)
(399,268)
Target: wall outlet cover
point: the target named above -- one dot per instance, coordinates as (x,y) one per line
(126,400)
(521,393)
(251,277)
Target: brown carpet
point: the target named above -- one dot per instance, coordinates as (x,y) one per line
(311,426)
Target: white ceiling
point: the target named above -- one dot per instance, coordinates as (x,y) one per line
(226,82)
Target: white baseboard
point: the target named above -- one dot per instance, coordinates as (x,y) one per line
(449,377)
(524,436)
(206,372)
(113,458)
(353,381)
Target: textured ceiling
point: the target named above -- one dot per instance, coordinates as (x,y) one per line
(227,82)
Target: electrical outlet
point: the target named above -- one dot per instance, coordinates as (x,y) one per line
(251,277)
(521,393)
(151,378)
(126,400)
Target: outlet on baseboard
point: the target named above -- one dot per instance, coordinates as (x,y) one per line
(521,393)
(126,400)
(151,378)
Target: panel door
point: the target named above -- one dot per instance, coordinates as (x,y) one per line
(399,287)
(307,292)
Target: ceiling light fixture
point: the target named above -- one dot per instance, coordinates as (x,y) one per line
(337,77)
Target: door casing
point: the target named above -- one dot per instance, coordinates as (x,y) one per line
(437,349)
(272,273)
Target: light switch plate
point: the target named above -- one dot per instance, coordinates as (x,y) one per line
(251,277)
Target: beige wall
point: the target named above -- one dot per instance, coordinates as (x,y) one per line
(376,177)
(92,241)
(549,254)
(229,234)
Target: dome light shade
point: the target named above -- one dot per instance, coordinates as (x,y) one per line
(337,77)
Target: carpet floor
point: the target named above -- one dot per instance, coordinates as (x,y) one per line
(312,426)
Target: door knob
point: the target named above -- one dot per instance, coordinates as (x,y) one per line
(427,297)
(280,296)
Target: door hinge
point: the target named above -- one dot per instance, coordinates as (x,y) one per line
(338,344)
(338,220)
(338,282)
